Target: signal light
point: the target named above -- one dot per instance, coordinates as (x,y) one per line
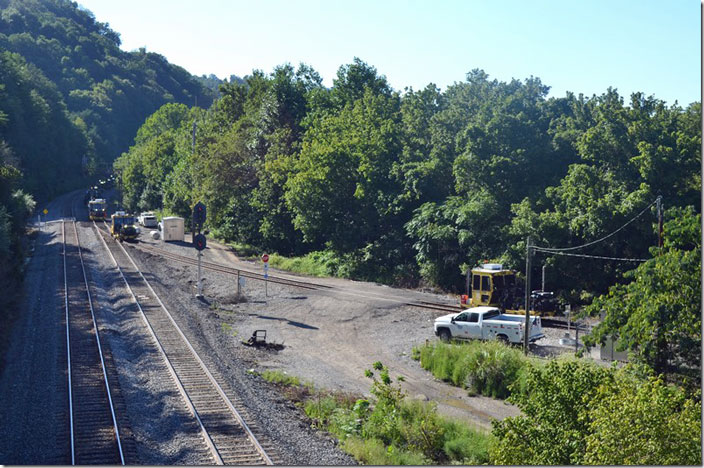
(199,242)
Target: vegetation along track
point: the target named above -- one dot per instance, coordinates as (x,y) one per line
(225,426)
(447,308)
(436,306)
(94,433)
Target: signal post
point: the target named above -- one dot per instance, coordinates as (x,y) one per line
(199,241)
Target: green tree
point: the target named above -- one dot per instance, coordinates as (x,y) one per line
(340,190)
(643,423)
(656,315)
(579,413)
(551,430)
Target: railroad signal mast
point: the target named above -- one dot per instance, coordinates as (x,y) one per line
(199,241)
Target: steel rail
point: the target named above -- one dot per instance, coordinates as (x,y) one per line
(68,347)
(100,348)
(295,283)
(215,384)
(83,421)
(306,285)
(179,385)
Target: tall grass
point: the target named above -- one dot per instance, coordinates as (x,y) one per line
(488,368)
(308,265)
(389,430)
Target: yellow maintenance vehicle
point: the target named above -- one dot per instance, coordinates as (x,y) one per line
(492,285)
(122,226)
(96,209)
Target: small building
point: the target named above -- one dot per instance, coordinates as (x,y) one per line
(172,228)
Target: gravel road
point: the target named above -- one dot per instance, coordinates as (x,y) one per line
(326,337)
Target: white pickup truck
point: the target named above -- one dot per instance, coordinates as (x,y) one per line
(147,219)
(486,323)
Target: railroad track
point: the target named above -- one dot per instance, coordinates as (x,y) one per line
(226,428)
(436,306)
(561,324)
(289,282)
(442,307)
(94,432)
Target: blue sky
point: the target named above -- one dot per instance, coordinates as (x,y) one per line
(653,46)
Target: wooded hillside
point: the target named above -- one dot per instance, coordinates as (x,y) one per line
(70,102)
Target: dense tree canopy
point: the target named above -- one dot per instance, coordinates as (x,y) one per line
(579,413)
(70,102)
(419,186)
(109,90)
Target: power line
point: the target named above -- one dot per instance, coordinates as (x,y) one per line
(563,249)
(622,259)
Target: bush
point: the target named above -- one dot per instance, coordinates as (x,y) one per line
(488,368)
(374,452)
(280,378)
(466,445)
(311,264)
(577,412)
(392,431)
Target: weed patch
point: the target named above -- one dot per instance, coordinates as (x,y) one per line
(387,429)
(482,367)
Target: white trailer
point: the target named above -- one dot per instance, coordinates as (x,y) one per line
(172,228)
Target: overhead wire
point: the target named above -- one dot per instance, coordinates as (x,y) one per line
(623,259)
(564,249)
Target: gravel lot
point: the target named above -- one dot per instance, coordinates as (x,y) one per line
(327,337)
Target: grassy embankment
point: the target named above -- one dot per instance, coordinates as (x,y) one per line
(387,429)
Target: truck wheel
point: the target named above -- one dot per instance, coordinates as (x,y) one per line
(445,334)
(502,338)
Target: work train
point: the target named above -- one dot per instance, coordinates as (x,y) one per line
(123,226)
(494,286)
(97,209)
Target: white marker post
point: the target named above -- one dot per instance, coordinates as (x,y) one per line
(265,259)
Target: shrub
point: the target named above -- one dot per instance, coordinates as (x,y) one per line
(374,452)
(577,412)
(280,378)
(466,445)
(389,430)
(487,368)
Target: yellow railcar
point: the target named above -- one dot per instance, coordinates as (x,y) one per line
(122,226)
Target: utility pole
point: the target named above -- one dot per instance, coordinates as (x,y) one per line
(194,137)
(542,286)
(526,328)
(659,200)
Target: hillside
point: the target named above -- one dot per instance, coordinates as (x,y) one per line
(70,103)
(109,90)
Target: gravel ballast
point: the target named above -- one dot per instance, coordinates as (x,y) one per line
(327,337)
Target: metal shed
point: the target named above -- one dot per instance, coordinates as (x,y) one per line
(172,228)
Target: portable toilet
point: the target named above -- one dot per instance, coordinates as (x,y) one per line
(173,228)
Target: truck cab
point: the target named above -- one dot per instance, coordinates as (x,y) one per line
(148,219)
(122,226)
(97,209)
(494,286)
